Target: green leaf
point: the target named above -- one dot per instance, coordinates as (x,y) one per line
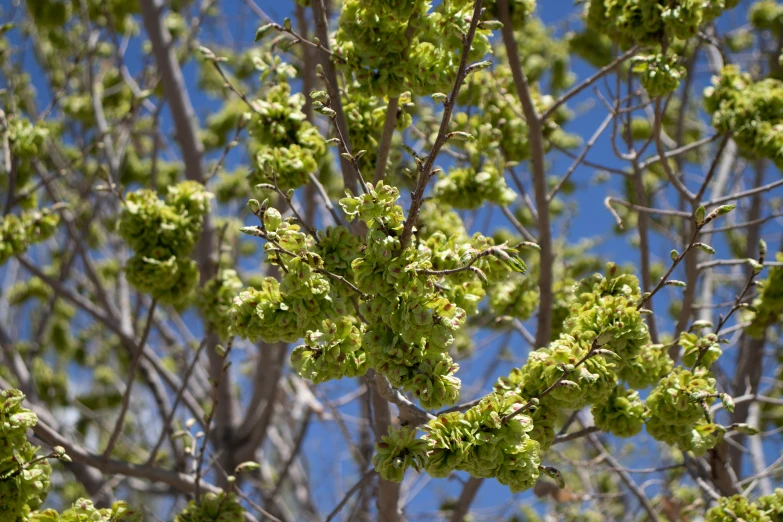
(263,31)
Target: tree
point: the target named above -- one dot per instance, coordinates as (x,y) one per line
(429,294)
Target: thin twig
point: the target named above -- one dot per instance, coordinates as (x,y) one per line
(115,435)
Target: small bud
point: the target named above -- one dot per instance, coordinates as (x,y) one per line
(491,25)
(255,206)
(554,474)
(247,467)
(728,402)
(190,422)
(460,136)
(698,325)
(747,429)
(206,53)
(755,266)
(705,248)
(59,453)
(700,215)
(720,211)
(319,96)
(762,250)
(326,111)
(287,24)
(439,97)
(251,231)
(272,219)
(479,66)
(674,255)
(220,350)
(528,244)
(674,282)
(480,274)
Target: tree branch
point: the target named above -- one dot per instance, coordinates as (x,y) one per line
(536,137)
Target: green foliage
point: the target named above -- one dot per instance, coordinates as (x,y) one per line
(769,305)
(649,21)
(660,74)
(465,188)
(623,414)
(288,146)
(751,110)
(332,353)
(704,349)
(386,59)
(84,510)
(222,507)
(17,233)
(24,480)
(678,407)
(398,451)
(766,15)
(216,297)
(163,233)
(648,367)
(517,297)
(488,440)
(772,505)
(737,507)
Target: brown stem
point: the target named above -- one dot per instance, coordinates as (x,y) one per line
(536,137)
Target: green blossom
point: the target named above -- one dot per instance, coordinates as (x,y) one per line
(660,74)
(730,509)
(695,347)
(622,414)
(466,188)
(223,507)
(331,353)
(23,486)
(19,232)
(648,367)
(398,451)
(215,299)
(772,505)
(752,111)
(769,304)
